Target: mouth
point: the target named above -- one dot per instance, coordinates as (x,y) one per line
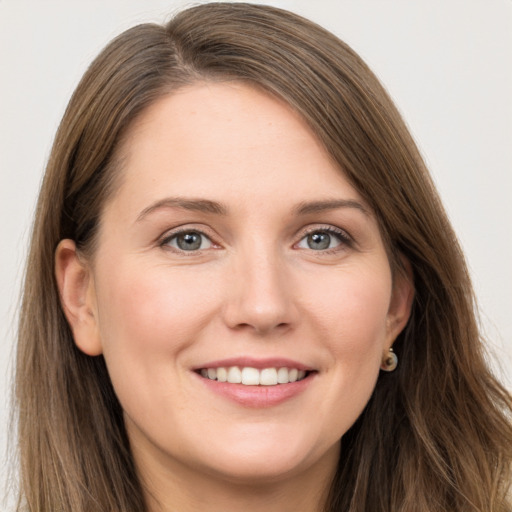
(255,382)
(250,376)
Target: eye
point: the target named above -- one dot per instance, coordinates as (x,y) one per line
(323,239)
(188,241)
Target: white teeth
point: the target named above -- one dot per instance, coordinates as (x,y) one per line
(222,374)
(252,376)
(282,376)
(268,377)
(234,375)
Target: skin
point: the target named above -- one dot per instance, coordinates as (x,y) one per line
(256,289)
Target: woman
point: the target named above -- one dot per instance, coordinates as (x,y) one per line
(258,302)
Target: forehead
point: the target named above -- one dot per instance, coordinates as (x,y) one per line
(225,141)
(244,116)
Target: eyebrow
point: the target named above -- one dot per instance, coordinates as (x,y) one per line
(191,204)
(213,207)
(306,208)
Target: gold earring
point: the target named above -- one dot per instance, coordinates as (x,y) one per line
(389,362)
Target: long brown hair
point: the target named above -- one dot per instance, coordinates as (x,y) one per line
(436,434)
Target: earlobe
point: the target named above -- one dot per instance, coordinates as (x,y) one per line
(401,301)
(76,290)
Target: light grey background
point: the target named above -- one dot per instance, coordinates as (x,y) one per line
(447,64)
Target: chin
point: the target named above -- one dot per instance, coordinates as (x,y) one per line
(269,459)
(258,471)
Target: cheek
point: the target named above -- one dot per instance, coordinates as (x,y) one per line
(150,306)
(148,317)
(351,310)
(351,317)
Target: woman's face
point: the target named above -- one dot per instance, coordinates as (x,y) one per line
(234,249)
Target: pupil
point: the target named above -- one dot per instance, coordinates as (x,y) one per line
(319,241)
(189,241)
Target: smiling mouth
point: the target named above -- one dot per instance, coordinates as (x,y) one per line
(249,376)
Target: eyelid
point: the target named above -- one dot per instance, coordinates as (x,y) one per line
(163,240)
(346,240)
(327,228)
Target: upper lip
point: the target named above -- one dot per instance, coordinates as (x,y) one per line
(260,364)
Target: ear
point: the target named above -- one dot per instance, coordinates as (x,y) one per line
(401,301)
(77,296)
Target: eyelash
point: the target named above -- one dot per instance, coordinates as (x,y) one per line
(168,237)
(346,241)
(342,236)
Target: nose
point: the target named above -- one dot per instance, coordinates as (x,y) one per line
(261,296)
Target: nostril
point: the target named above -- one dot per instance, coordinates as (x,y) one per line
(261,328)
(260,296)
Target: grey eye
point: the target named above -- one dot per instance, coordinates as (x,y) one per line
(190,241)
(320,241)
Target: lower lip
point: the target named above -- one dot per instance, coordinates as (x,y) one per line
(258,396)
